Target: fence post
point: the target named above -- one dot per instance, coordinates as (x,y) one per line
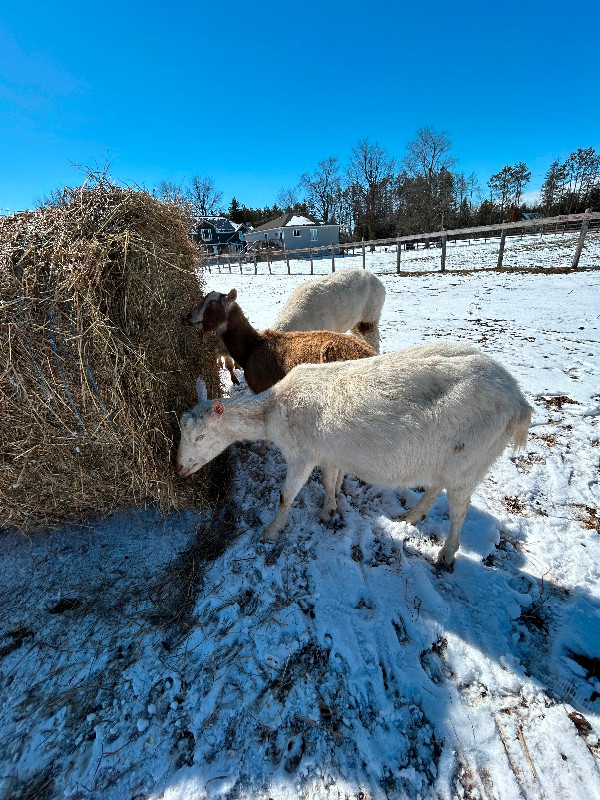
(229,263)
(255,263)
(287,261)
(444,242)
(398,255)
(218,263)
(332,258)
(364,254)
(501,252)
(584,227)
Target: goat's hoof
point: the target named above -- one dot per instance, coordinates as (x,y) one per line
(409,518)
(443,564)
(325,516)
(270,536)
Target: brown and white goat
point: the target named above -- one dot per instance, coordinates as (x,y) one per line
(267,356)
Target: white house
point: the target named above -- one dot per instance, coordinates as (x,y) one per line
(293,231)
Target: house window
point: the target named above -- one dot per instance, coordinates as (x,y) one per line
(206,234)
(296,231)
(314,234)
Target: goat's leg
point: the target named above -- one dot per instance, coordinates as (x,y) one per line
(375,343)
(332,481)
(369,332)
(459,501)
(419,511)
(372,336)
(298,473)
(229,366)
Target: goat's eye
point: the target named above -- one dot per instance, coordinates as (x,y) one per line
(200,436)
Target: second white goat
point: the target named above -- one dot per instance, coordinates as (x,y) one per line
(350,300)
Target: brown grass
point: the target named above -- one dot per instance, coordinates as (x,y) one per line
(95,365)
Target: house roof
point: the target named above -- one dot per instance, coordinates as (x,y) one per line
(287,220)
(220,224)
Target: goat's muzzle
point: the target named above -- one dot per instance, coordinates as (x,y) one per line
(188,320)
(185,472)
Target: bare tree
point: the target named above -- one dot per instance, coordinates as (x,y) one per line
(322,188)
(204,197)
(287,198)
(370,173)
(426,156)
(473,188)
(169,192)
(428,152)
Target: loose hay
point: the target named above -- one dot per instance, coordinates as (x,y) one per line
(95,366)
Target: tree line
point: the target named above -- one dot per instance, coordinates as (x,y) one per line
(374,196)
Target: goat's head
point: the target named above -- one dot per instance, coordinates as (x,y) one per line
(212,315)
(202,436)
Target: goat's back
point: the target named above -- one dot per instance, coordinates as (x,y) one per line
(336,302)
(427,407)
(280,351)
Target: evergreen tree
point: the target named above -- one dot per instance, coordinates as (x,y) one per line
(234,212)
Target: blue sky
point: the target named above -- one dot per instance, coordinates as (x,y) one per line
(254,95)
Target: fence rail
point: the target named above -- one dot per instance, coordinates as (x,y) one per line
(565,222)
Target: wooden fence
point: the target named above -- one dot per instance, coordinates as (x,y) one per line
(438,238)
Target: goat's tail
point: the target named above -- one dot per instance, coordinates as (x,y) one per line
(518,428)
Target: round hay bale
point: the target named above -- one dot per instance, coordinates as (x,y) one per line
(96,366)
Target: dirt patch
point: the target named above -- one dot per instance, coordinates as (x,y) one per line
(526,462)
(581,723)
(515,505)
(588,516)
(557,402)
(547,438)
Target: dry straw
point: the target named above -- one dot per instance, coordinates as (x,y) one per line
(96,366)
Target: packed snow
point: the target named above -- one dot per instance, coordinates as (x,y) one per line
(182,658)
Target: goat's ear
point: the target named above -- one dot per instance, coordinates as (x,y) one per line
(232,296)
(201,390)
(218,407)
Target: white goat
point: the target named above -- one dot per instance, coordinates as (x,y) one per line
(350,300)
(436,416)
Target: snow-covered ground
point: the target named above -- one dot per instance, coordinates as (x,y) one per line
(181,658)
